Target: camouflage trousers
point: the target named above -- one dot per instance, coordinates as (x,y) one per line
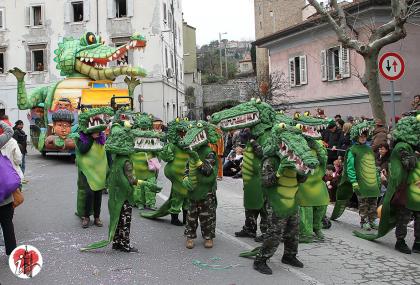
(367,209)
(122,233)
(286,228)
(251,219)
(205,211)
(404,216)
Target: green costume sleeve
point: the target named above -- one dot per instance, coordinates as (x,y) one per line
(351,171)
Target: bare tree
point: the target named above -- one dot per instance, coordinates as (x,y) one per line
(378,37)
(274,92)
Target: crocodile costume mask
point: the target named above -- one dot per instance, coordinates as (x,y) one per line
(94,120)
(259,117)
(311,125)
(176,157)
(199,133)
(80,61)
(404,176)
(361,172)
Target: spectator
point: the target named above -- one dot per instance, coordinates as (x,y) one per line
(350,120)
(339,123)
(382,162)
(236,141)
(332,139)
(337,117)
(232,166)
(6,206)
(331,181)
(416,102)
(21,138)
(5,119)
(380,135)
(228,138)
(244,136)
(345,138)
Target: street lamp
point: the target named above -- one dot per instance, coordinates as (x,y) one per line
(220,52)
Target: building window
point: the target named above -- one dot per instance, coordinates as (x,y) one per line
(77,11)
(172,60)
(165,13)
(37,60)
(166,57)
(2,67)
(2,21)
(173,111)
(121,8)
(335,63)
(298,74)
(34,16)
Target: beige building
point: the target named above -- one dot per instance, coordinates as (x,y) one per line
(272,16)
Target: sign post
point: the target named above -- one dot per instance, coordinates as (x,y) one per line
(392,67)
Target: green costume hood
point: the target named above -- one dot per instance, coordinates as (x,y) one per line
(199,133)
(311,125)
(357,129)
(94,120)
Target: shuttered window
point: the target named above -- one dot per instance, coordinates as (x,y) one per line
(2,21)
(335,63)
(298,73)
(34,16)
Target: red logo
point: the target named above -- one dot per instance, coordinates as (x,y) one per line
(25,261)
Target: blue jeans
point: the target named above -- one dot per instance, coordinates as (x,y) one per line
(22,165)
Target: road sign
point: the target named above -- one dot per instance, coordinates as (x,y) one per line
(391,66)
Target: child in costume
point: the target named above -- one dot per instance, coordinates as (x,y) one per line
(201,182)
(124,189)
(359,176)
(287,160)
(402,198)
(146,163)
(176,158)
(92,163)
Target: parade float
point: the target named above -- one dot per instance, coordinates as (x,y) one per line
(87,83)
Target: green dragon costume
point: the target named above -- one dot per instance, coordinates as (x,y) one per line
(359,174)
(91,159)
(124,188)
(145,162)
(403,190)
(201,181)
(287,160)
(176,157)
(313,197)
(259,117)
(81,61)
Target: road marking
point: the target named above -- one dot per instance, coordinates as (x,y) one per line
(298,273)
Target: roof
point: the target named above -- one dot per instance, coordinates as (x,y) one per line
(316,19)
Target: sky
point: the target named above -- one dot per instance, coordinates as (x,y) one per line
(235,17)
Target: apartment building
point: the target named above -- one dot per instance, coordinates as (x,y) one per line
(31,29)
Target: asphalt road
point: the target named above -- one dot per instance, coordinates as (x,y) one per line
(46,220)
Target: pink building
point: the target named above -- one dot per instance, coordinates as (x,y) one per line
(323,74)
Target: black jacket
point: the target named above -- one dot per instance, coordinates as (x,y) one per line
(21,138)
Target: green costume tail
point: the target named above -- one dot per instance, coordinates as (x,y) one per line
(250,253)
(161,212)
(339,208)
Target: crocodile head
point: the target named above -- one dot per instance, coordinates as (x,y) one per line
(256,115)
(125,117)
(360,128)
(281,117)
(90,56)
(311,125)
(408,130)
(94,120)
(293,148)
(120,141)
(177,129)
(199,133)
(145,138)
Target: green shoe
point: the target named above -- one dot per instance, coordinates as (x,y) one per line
(319,235)
(374,225)
(305,239)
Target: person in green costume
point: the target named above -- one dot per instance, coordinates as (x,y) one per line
(313,197)
(361,176)
(286,163)
(259,117)
(402,198)
(124,188)
(92,164)
(146,164)
(201,182)
(176,158)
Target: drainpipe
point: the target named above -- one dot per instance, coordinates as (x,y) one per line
(97,17)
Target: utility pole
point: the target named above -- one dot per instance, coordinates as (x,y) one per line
(226,68)
(220,54)
(175,55)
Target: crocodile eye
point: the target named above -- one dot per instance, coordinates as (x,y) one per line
(252,100)
(297,115)
(177,120)
(282,125)
(186,119)
(299,127)
(200,125)
(258,100)
(90,38)
(418,118)
(190,126)
(307,114)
